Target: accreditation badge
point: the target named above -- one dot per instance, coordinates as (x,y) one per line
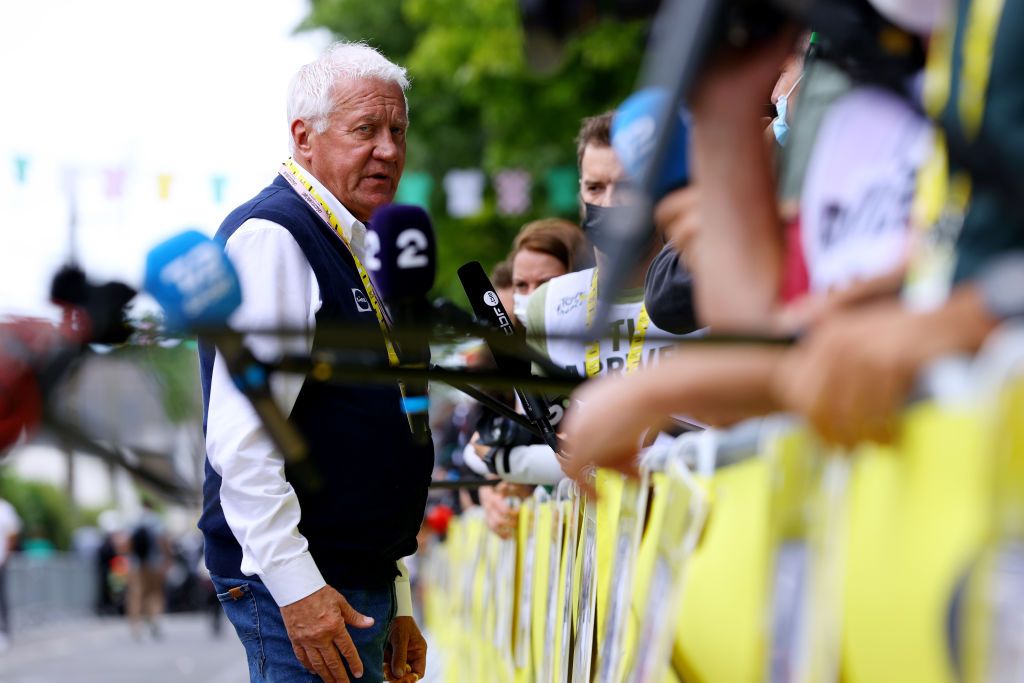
(583,647)
(680,531)
(933,261)
(569,503)
(505,595)
(555,535)
(527,552)
(632,512)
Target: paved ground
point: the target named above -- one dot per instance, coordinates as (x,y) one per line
(103,651)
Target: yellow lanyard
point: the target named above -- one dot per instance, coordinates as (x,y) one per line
(636,344)
(295,177)
(942,197)
(976,67)
(935,190)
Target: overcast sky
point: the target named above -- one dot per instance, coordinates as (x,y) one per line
(188,89)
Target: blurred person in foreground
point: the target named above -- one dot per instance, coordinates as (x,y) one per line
(852,372)
(149,560)
(668,288)
(311,564)
(851,376)
(10,527)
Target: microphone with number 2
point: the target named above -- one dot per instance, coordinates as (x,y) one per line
(402,259)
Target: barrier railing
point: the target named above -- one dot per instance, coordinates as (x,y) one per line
(43,590)
(756,555)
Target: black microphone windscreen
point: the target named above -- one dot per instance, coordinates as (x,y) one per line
(405,261)
(488,308)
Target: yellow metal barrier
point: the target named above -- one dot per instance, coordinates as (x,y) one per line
(792,565)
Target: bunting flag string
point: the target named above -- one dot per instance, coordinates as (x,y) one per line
(464,189)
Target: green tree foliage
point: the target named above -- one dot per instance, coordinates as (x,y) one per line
(477,103)
(45,512)
(174,367)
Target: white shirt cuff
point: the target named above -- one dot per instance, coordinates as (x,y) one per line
(403,592)
(293,580)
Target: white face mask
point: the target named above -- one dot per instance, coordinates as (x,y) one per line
(519,306)
(918,16)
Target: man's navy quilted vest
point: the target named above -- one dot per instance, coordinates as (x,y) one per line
(363,504)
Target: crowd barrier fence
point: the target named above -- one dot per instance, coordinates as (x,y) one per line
(756,554)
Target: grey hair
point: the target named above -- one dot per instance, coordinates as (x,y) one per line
(311,91)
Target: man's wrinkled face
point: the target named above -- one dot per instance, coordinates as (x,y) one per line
(361,155)
(600,172)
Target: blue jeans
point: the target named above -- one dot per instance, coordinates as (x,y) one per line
(257,620)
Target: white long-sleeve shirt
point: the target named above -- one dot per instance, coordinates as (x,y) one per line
(279,289)
(532,464)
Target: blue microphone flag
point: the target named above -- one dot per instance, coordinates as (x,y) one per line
(633,138)
(192,278)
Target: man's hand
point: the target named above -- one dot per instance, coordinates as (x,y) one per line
(678,219)
(317,628)
(502,518)
(604,427)
(405,655)
(852,375)
(609,417)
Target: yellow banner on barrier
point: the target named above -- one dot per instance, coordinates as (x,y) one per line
(903,563)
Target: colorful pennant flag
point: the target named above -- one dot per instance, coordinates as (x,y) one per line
(415,188)
(563,189)
(163,182)
(21,169)
(218,183)
(114,184)
(465,190)
(513,188)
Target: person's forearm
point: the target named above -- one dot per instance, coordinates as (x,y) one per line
(473,461)
(959,326)
(535,464)
(737,253)
(403,592)
(717,385)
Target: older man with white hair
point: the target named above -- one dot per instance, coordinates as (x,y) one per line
(308,568)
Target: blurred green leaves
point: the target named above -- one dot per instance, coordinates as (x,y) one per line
(475,102)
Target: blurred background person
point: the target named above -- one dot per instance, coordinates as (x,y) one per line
(544,249)
(10,528)
(501,278)
(149,559)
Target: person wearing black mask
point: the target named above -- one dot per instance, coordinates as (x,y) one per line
(565,305)
(559,312)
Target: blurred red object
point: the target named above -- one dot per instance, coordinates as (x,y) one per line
(29,349)
(438,518)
